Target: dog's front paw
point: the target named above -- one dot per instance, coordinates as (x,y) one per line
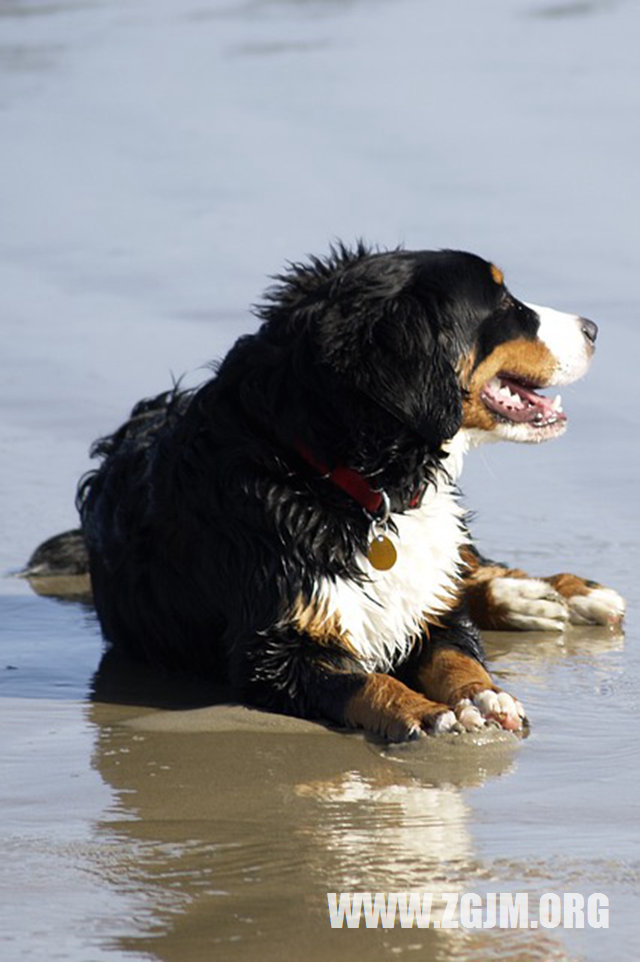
(588,602)
(601,606)
(528,604)
(491,707)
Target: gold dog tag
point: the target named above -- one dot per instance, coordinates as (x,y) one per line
(382,554)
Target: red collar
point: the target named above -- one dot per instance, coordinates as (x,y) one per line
(356,485)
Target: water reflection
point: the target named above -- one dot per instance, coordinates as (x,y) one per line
(237,836)
(235,824)
(532,654)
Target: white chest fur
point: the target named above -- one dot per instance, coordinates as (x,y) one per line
(383,616)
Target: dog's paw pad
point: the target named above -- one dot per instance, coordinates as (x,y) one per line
(601,606)
(500,707)
(529,604)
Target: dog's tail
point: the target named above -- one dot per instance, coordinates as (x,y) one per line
(60,567)
(64,554)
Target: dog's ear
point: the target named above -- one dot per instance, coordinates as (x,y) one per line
(387,347)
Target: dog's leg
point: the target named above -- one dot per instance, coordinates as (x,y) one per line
(387,707)
(449,669)
(296,673)
(503,598)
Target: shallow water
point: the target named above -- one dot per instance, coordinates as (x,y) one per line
(158,160)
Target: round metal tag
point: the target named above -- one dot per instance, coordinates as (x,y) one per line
(382,554)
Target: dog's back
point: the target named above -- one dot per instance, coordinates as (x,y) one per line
(142,546)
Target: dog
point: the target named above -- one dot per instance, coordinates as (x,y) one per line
(292,527)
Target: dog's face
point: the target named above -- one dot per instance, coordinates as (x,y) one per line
(437,340)
(519,349)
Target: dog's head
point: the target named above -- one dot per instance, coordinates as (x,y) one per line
(428,341)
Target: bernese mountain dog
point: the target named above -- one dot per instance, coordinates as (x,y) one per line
(293,528)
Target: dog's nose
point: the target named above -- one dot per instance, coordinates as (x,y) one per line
(589,329)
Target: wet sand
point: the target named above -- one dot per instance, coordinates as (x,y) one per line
(159,160)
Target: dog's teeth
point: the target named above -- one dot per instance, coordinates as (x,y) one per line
(505,393)
(556,404)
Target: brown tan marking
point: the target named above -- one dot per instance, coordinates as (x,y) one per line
(569,585)
(469,559)
(314,620)
(387,707)
(497,275)
(524,359)
(465,367)
(450,675)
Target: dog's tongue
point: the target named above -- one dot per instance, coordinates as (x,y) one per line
(515,402)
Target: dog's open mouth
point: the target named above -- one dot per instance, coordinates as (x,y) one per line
(512,399)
